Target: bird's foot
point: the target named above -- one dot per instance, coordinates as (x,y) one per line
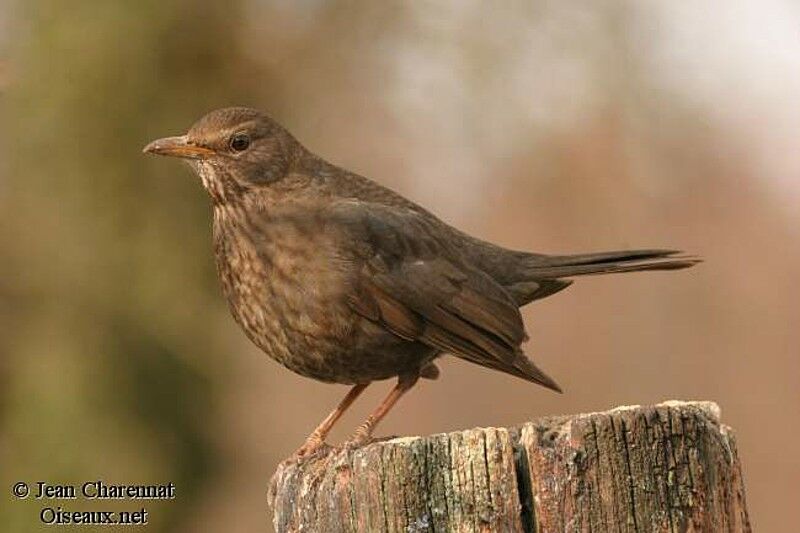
(357,440)
(313,447)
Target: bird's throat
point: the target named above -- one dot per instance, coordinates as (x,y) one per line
(220,185)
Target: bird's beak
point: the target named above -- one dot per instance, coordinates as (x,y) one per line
(177,147)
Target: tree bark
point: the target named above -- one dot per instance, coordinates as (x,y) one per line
(671,467)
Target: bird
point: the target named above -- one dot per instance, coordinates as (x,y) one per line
(343,280)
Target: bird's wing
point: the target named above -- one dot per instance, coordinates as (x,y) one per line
(415,283)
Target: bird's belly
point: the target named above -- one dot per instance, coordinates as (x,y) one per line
(325,341)
(293,305)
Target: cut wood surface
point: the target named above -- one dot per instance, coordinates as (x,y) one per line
(669,467)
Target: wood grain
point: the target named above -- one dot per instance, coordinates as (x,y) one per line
(671,467)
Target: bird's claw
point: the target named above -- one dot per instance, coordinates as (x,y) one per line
(357,440)
(312,448)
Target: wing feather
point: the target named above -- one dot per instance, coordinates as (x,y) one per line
(421,289)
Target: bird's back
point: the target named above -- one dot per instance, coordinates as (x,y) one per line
(502,264)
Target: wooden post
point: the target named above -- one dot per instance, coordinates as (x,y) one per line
(671,467)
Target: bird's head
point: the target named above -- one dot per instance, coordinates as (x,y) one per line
(234,150)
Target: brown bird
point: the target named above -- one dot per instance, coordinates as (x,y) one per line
(342,280)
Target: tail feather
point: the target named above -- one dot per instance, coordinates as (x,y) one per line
(565,266)
(602,257)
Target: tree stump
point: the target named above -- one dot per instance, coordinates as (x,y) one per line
(670,467)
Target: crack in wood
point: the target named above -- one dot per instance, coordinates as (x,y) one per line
(524,493)
(631,481)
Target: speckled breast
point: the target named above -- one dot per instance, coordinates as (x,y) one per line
(286,289)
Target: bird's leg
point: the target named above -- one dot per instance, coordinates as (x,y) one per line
(364,431)
(317,437)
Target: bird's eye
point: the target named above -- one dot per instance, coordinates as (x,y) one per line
(239,142)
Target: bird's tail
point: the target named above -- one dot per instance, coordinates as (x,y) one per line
(551,267)
(545,275)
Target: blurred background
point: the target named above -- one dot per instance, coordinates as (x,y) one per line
(550,126)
